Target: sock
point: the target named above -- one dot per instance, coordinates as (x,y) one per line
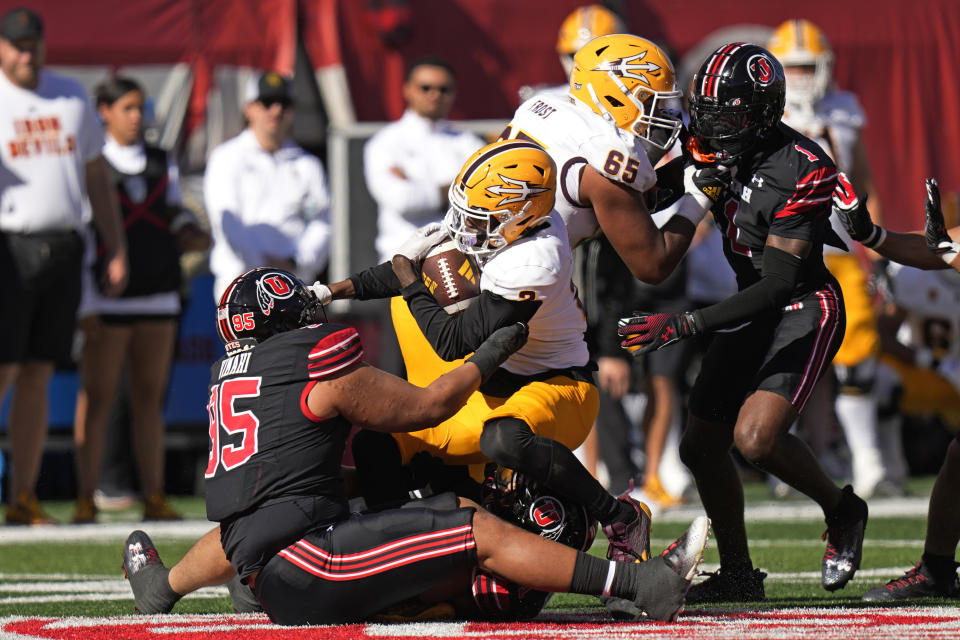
(622,512)
(600,577)
(858,417)
(590,574)
(942,568)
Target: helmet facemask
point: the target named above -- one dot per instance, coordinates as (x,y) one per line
(728,132)
(658,120)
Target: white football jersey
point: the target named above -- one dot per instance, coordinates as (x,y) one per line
(834,123)
(575,136)
(540,267)
(932,302)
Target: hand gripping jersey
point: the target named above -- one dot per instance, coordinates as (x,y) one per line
(265,444)
(783,189)
(575,136)
(540,267)
(834,123)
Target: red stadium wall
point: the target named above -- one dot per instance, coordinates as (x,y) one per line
(898,57)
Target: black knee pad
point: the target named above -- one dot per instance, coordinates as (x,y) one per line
(504,440)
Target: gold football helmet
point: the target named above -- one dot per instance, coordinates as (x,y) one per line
(631,83)
(582,26)
(800,43)
(503,190)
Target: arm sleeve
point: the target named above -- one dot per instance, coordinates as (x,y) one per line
(375,283)
(781,271)
(455,336)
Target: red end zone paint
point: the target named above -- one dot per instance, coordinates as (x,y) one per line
(720,624)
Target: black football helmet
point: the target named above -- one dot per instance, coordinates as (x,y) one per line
(263,302)
(737,98)
(515,498)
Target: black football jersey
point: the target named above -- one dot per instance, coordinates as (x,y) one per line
(265,444)
(785,190)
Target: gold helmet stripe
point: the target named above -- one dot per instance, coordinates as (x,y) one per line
(516,144)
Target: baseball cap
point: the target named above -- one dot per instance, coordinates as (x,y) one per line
(269,87)
(21,24)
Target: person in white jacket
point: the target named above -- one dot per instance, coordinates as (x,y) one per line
(266,198)
(409,164)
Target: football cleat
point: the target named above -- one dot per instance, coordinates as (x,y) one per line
(844,536)
(915,583)
(147,575)
(661,593)
(728,586)
(629,541)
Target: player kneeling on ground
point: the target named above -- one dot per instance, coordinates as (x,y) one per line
(282,400)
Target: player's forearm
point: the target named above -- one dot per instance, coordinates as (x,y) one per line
(909,249)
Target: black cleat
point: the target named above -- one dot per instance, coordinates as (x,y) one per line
(147,575)
(728,586)
(915,583)
(844,536)
(661,594)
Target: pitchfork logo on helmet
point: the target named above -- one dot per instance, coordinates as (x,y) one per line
(630,82)
(503,191)
(515,190)
(583,25)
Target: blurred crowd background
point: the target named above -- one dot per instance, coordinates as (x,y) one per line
(347,65)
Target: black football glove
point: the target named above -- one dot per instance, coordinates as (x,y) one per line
(935,229)
(645,332)
(853,213)
(500,345)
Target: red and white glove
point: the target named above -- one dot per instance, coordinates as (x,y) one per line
(646,332)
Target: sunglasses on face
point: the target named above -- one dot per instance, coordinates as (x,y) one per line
(442,88)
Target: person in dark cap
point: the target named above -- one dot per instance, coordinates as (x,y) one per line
(50,162)
(266,197)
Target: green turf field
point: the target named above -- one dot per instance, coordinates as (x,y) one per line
(77,572)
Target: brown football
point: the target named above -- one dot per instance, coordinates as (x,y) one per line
(451,276)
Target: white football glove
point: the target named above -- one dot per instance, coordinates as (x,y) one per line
(418,245)
(322,291)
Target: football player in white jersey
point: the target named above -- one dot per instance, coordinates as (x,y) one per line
(542,402)
(936,573)
(620,117)
(833,119)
